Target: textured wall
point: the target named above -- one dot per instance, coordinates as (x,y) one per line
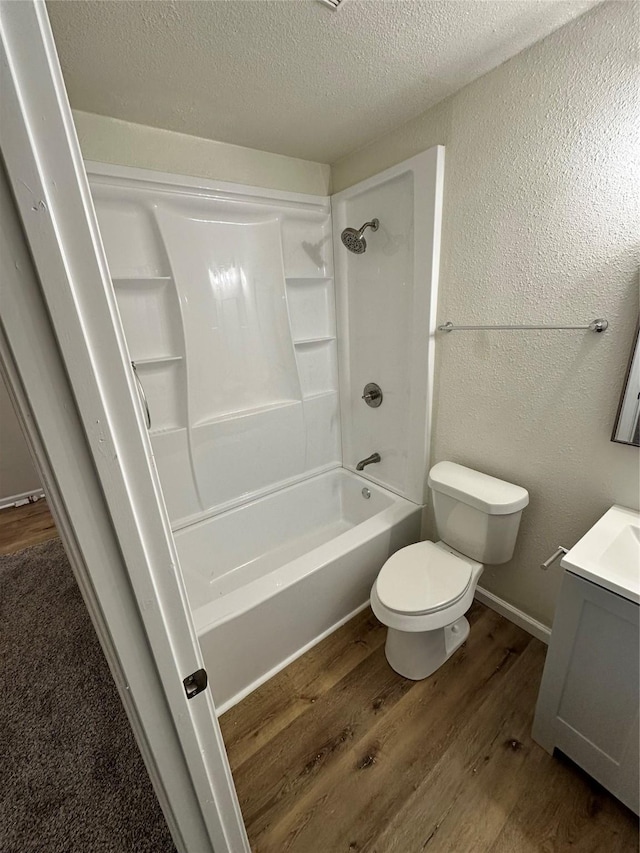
(109,140)
(541,222)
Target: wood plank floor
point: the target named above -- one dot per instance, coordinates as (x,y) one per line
(338,753)
(25,525)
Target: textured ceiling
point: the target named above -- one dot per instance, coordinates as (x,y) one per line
(289,76)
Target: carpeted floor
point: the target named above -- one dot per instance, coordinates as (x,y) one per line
(71,776)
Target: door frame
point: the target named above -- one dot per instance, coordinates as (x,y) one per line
(66,362)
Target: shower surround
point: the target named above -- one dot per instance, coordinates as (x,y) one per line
(252,361)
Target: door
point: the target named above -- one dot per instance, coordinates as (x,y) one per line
(64,355)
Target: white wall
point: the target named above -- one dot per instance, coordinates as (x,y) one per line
(109,140)
(541,223)
(17,474)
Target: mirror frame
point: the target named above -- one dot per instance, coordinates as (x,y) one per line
(635,352)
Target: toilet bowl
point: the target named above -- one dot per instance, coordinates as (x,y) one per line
(421,595)
(423,591)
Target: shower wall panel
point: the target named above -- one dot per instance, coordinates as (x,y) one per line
(227,303)
(230,281)
(386,319)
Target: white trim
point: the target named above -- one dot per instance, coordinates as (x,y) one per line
(518,617)
(110,174)
(21,499)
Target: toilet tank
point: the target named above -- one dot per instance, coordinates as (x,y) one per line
(476,514)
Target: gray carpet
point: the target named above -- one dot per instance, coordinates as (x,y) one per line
(71,775)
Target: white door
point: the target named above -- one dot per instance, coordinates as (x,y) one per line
(64,354)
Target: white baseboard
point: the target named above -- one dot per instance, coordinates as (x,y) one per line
(22,498)
(528,623)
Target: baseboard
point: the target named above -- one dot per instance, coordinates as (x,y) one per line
(22,498)
(528,623)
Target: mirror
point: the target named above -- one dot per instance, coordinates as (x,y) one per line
(627,426)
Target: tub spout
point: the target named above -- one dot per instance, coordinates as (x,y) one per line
(375,457)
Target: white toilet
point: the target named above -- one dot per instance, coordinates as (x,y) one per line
(424,590)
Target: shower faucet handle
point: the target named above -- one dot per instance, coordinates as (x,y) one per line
(372,395)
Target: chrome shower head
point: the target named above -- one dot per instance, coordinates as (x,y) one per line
(354,241)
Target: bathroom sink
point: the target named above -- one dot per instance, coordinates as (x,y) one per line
(609,553)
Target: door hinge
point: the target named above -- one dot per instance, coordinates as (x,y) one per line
(195,683)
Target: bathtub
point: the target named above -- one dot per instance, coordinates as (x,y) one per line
(269,579)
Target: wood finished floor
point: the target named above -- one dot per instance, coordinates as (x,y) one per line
(338,753)
(26,525)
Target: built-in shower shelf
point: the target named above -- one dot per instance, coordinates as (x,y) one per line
(317,367)
(140,281)
(254,427)
(160,359)
(302,342)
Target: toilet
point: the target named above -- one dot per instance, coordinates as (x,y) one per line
(423,591)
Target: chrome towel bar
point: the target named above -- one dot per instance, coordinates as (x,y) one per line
(598,325)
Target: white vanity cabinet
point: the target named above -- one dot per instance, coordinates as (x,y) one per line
(588,702)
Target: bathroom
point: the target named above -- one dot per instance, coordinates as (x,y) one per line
(270,361)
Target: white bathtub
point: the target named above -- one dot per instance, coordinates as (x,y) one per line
(269,579)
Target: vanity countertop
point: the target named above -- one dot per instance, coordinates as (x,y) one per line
(609,553)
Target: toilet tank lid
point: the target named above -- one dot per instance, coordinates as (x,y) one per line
(486,493)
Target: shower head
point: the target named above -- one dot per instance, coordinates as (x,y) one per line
(354,240)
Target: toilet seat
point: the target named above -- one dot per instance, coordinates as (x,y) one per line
(423,578)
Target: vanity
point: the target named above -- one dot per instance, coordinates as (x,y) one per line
(589,695)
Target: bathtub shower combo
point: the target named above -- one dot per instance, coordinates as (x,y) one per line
(285,364)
